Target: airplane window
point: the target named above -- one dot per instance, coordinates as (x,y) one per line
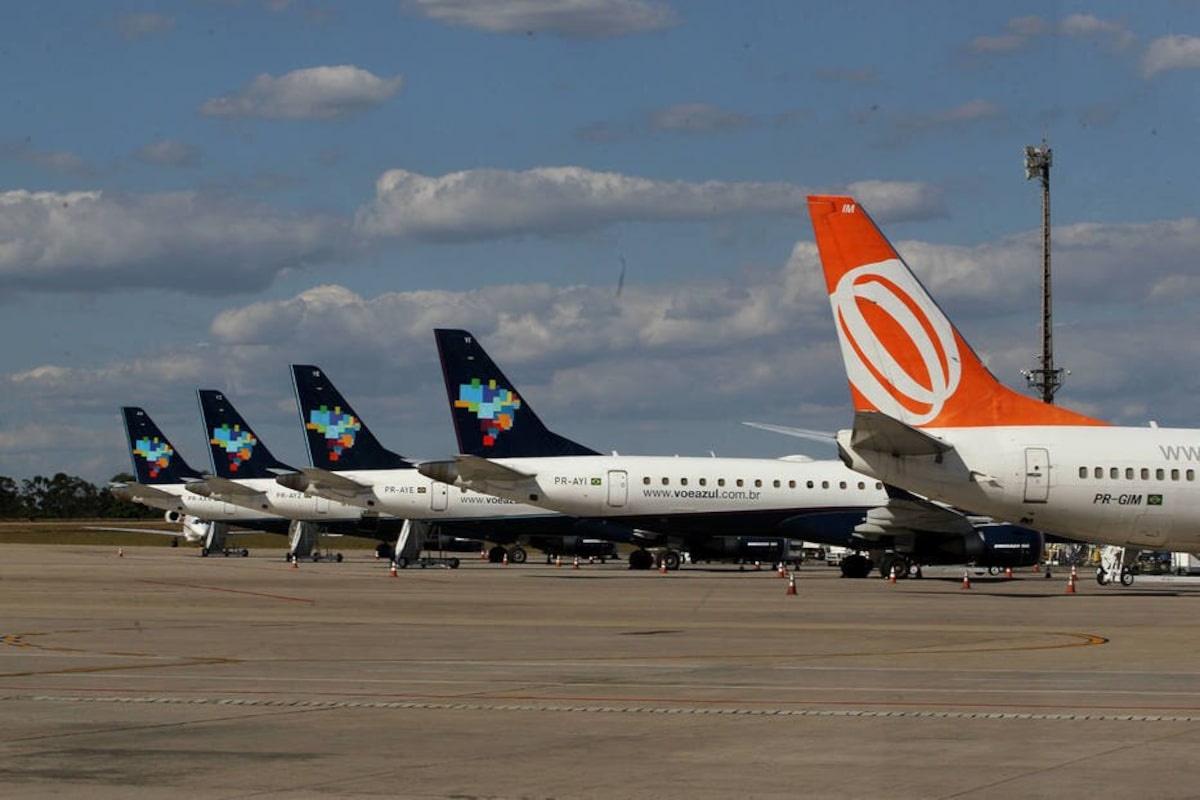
(1174,474)
(683,481)
(824,484)
(1114,473)
(758,483)
(791,484)
(809,484)
(1083,472)
(704,481)
(1145,474)
(720,481)
(646,480)
(741,482)
(862,485)
(1191,474)
(1158,474)
(1099,472)
(666,481)
(1129,473)
(776,484)
(842,485)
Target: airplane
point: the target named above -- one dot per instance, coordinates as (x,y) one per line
(743,509)
(930,417)
(164,481)
(350,465)
(245,472)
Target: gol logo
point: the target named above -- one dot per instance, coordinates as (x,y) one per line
(898,346)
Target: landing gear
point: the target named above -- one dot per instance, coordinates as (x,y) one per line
(517,555)
(496,555)
(856,565)
(904,568)
(671,560)
(641,559)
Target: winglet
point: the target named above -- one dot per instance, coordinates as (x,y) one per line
(903,356)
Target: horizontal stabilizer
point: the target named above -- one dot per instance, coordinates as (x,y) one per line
(883,434)
(139,492)
(472,470)
(825,437)
(913,514)
(322,482)
(219,488)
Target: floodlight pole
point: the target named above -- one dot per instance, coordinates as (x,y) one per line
(1045,379)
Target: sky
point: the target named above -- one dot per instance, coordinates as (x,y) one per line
(610,194)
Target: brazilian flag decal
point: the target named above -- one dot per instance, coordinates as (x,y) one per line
(596,481)
(1154,500)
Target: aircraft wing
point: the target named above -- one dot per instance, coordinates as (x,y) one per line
(824,437)
(881,433)
(221,488)
(906,513)
(114,529)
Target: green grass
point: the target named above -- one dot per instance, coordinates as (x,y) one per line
(82,532)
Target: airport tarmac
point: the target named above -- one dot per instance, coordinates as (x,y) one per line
(163,674)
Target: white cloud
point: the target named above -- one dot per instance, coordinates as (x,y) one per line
(547,201)
(314,93)
(1022,32)
(168,153)
(580,19)
(210,244)
(139,26)
(966,114)
(63,161)
(1171,52)
(698,118)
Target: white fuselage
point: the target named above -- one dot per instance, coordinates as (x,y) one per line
(648,486)
(187,502)
(271,498)
(1133,487)
(408,494)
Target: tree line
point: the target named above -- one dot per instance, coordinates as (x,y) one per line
(66,496)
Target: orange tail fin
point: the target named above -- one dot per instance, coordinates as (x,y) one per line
(903,356)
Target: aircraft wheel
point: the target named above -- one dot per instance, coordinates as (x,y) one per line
(1126,577)
(454,562)
(671,559)
(1101,576)
(641,559)
(517,555)
(338,558)
(993,571)
(914,571)
(856,566)
(245,553)
(402,562)
(204,552)
(496,555)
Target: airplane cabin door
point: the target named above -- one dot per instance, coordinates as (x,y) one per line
(322,505)
(439,496)
(1037,475)
(618,487)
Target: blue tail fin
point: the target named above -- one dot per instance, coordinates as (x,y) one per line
(155,461)
(236,451)
(490,419)
(337,438)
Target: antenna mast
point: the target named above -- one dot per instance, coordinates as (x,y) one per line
(1045,379)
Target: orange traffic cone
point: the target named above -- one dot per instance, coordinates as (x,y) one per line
(1008,573)
(575,563)
(393,572)
(791,583)
(1037,567)
(892,574)
(782,570)
(966,584)
(295,561)
(757,566)
(483,555)
(1071,583)
(662,566)
(120,553)
(558,560)
(504,560)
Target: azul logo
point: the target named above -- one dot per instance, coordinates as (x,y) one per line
(338,428)
(904,359)
(495,407)
(237,444)
(155,452)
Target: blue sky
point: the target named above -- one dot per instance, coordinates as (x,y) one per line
(196,194)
